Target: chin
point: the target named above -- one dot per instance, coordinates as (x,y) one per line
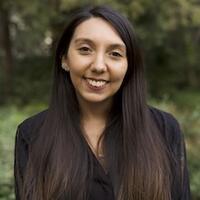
(96,98)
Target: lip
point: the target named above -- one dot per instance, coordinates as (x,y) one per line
(94,88)
(96,79)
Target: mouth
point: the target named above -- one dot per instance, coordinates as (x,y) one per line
(97,83)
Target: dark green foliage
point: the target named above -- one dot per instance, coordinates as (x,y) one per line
(32,81)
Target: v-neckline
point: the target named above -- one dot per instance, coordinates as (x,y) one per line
(99,170)
(105,172)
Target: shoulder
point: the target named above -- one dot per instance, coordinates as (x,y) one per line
(163,119)
(169,128)
(29,126)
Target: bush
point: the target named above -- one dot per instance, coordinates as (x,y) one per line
(10,117)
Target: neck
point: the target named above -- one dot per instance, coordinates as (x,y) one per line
(92,111)
(93,121)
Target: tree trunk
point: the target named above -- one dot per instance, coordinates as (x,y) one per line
(5,44)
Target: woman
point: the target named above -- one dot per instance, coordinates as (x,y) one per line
(98,139)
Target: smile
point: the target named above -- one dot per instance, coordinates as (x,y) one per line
(96,83)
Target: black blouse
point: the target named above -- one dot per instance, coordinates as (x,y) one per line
(101,186)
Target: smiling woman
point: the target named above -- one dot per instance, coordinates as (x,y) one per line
(97,65)
(99,140)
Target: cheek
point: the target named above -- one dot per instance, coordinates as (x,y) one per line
(119,72)
(124,70)
(77,63)
(76,81)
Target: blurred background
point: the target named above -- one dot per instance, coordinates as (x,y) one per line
(169,34)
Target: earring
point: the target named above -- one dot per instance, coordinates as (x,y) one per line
(65,66)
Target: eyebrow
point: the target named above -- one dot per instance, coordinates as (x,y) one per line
(112,45)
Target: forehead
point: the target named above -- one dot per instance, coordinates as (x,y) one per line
(98,30)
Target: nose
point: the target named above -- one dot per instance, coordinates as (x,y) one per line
(99,64)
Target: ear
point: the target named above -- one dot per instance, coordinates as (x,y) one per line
(64,64)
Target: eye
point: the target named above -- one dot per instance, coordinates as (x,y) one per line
(84,50)
(115,54)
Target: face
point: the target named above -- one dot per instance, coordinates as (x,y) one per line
(96,60)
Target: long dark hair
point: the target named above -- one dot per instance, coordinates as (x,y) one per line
(60,163)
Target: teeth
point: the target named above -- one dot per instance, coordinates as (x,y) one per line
(96,83)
